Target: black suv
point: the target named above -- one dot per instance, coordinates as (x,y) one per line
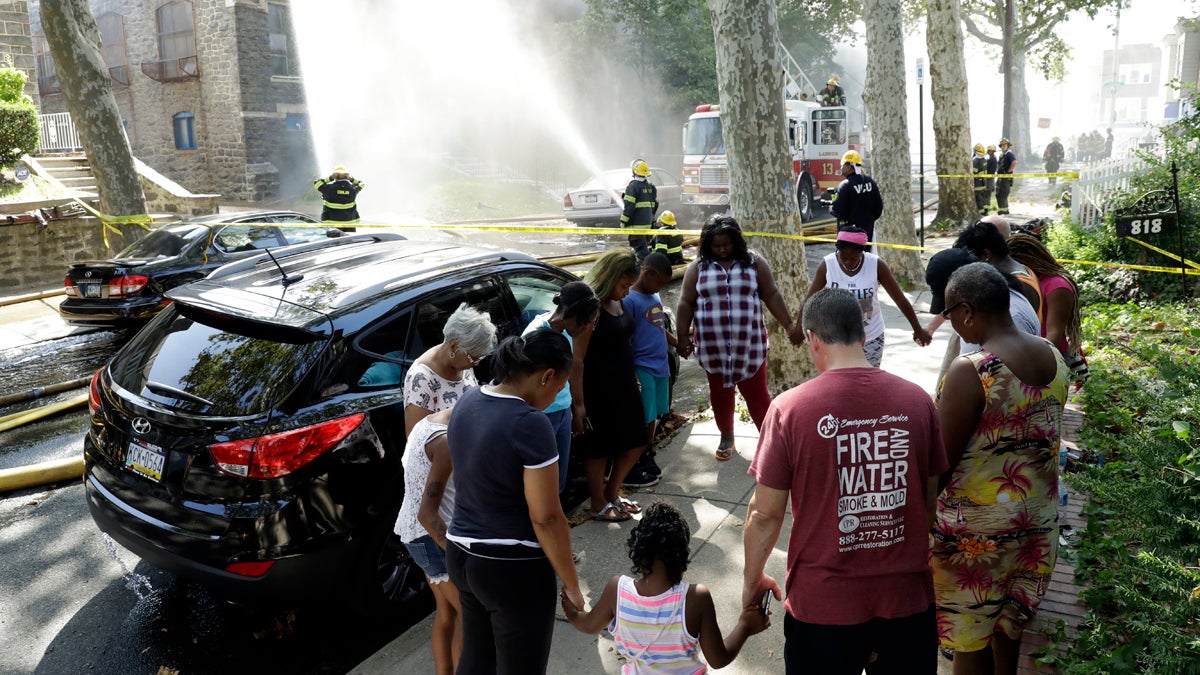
(235,440)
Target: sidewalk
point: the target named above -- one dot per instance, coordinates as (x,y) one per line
(713,496)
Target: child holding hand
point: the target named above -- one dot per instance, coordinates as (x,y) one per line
(659,623)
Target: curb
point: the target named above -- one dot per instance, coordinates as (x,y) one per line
(45,473)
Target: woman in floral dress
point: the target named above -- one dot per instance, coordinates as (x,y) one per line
(995,537)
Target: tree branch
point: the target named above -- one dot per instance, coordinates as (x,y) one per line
(974,29)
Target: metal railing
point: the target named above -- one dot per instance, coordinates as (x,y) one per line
(58,134)
(796,81)
(171,70)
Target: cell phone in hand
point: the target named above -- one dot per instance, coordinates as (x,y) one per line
(765,603)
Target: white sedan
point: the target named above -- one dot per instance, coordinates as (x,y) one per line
(599,200)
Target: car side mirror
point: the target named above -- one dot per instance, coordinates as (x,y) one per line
(333,232)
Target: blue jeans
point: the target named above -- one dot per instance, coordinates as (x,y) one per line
(561,421)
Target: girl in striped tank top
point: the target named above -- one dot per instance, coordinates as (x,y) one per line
(659,623)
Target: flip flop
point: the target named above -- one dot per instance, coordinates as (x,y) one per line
(628,505)
(724,454)
(611,513)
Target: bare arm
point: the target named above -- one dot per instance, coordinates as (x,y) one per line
(771,297)
(685,311)
(1060,304)
(819,280)
(959,407)
(721,652)
(550,526)
(579,347)
(920,335)
(438,451)
(412,415)
(764,520)
(602,612)
(934,324)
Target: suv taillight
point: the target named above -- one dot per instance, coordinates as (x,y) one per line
(126,285)
(280,454)
(567,201)
(94,393)
(69,287)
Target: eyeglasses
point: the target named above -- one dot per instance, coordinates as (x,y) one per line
(950,310)
(474,359)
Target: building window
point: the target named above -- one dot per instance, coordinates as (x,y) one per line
(185,131)
(112,47)
(281,41)
(47,75)
(176,32)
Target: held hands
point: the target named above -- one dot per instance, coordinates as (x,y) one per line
(572,604)
(752,619)
(922,337)
(796,335)
(752,592)
(684,347)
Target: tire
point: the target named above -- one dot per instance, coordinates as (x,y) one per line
(387,582)
(804,200)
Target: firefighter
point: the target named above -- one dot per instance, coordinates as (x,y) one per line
(641,203)
(1008,166)
(339,193)
(993,165)
(979,165)
(1053,157)
(670,245)
(857,200)
(832,94)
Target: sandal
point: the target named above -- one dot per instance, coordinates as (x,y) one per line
(611,513)
(628,505)
(725,450)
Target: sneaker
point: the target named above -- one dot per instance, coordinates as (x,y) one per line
(640,478)
(646,463)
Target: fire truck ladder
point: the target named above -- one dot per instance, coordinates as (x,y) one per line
(795,82)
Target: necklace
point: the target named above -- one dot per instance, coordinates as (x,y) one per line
(851,270)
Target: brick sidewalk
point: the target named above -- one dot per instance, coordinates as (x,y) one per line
(1062,601)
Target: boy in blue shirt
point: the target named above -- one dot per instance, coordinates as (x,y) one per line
(650,342)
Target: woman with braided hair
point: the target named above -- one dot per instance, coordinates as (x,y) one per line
(1060,293)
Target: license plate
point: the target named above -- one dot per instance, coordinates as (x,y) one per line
(589,199)
(90,290)
(145,459)
(691,188)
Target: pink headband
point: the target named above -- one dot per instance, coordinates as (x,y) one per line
(859,238)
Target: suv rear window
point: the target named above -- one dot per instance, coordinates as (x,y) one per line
(223,369)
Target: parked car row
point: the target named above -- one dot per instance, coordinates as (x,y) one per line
(234,441)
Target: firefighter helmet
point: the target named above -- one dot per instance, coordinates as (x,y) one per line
(979,148)
(640,168)
(1005,141)
(991,148)
(852,157)
(339,169)
(667,218)
(831,82)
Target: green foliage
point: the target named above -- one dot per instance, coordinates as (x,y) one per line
(12,85)
(18,130)
(1139,552)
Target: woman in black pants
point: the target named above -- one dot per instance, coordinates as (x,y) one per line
(508,536)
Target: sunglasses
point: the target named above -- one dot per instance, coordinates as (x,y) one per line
(950,310)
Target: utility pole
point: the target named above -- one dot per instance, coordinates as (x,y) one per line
(1010,20)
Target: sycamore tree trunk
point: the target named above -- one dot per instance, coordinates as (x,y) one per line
(887,110)
(762,188)
(74,43)
(951,114)
(1020,119)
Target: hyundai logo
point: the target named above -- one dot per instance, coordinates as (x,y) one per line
(141,426)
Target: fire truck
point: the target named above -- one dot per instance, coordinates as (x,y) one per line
(817,138)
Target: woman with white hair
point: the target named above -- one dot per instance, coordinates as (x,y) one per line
(444,372)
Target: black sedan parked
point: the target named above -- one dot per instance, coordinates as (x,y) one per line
(130,288)
(250,436)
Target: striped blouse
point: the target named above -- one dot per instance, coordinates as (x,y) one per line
(650,632)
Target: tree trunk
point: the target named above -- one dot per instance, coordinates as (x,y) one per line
(887,110)
(951,114)
(74,43)
(762,188)
(1022,145)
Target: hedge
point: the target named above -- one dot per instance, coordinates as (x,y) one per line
(18,131)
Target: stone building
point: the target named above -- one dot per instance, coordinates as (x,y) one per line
(209,92)
(16,44)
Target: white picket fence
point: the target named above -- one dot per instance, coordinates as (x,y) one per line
(1098,181)
(58,134)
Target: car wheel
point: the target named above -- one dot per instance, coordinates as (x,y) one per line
(388,582)
(804,200)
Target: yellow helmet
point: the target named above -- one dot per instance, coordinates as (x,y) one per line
(667,218)
(640,168)
(852,157)
(1005,141)
(979,148)
(991,148)
(339,169)
(831,81)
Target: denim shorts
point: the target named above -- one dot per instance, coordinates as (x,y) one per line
(429,557)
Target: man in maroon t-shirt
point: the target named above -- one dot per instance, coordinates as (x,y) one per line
(859,450)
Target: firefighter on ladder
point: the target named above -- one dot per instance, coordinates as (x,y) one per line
(339,194)
(641,203)
(669,242)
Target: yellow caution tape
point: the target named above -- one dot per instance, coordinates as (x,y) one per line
(108,222)
(1170,255)
(1144,268)
(1062,174)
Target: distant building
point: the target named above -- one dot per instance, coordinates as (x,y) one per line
(1182,56)
(1135,95)
(15,43)
(209,91)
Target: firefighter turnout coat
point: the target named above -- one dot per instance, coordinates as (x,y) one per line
(339,199)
